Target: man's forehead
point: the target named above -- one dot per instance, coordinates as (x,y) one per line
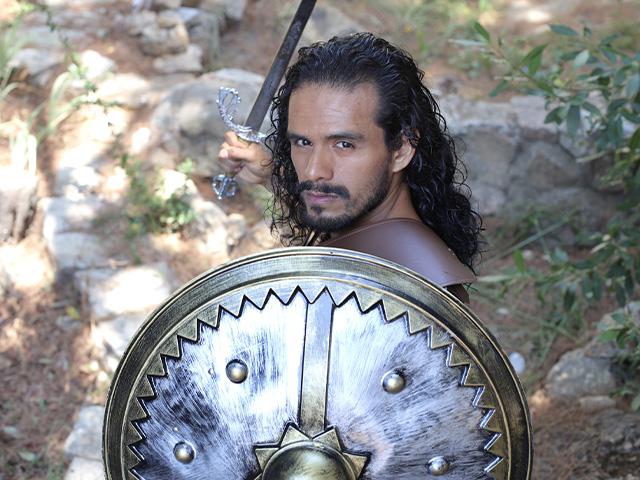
(333,107)
(367,89)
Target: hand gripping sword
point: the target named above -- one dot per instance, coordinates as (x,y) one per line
(228,98)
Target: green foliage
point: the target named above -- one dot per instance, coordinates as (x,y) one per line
(148,211)
(70,91)
(10,44)
(624,330)
(592,91)
(436,22)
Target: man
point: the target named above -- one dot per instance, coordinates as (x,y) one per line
(360,159)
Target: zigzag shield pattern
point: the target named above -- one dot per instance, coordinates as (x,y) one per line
(374,375)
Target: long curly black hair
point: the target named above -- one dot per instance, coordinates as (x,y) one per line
(435,175)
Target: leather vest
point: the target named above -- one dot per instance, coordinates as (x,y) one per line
(411,244)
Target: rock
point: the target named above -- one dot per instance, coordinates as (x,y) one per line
(156,40)
(76,173)
(518,362)
(528,255)
(236,226)
(204,31)
(169,19)
(23,267)
(209,217)
(5,364)
(11,431)
(596,403)
(114,336)
(514,158)
(18,198)
(36,65)
(187,62)
(5,283)
(42,37)
(187,123)
(173,182)
(619,441)
(68,324)
(85,469)
(134,290)
(234,9)
(328,21)
(163,4)
(137,21)
(257,239)
(209,228)
(85,440)
(95,65)
(77,250)
(63,215)
(231,9)
(89,20)
(76,182)
(134,91)
(577,375)
(76,3)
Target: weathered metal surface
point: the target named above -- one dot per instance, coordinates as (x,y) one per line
(320,356)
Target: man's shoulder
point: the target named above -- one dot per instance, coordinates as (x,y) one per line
(409,243)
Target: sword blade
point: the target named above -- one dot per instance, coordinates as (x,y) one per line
(279,65)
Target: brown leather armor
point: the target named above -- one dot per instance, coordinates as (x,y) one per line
(411,244)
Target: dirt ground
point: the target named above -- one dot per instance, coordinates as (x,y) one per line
(46,363)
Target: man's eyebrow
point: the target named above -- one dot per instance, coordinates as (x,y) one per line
(345,136)
(292,136)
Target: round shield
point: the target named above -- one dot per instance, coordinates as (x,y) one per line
(315,363)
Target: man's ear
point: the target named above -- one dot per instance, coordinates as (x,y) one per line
(403,155)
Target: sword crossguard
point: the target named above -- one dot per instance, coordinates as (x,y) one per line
(225,186)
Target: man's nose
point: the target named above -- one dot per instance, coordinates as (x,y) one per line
(319,165)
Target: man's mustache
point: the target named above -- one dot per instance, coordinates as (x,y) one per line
(338,190)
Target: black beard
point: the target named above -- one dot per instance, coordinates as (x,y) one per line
(339,223)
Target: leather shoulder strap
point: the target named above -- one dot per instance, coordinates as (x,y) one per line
(411,244)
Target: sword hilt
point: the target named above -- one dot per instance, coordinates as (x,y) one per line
(224,185)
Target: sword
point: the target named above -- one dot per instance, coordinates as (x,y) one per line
(225,185)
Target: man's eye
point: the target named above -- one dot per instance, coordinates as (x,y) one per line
(302,142)
(344,144)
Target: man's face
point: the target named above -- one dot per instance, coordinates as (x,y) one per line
(339,154)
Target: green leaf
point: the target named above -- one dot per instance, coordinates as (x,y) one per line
(608,335)
(591,108)
(633,86)
(554,116)
(518,259)
(501,87)
(568,300)
(634,141)
(533,54)
(621,295)
(597,287)
(480,30)
(564,30)
(581,59)
(559,256)
(28,456)
(635,403)
(573,120)
(73,312)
